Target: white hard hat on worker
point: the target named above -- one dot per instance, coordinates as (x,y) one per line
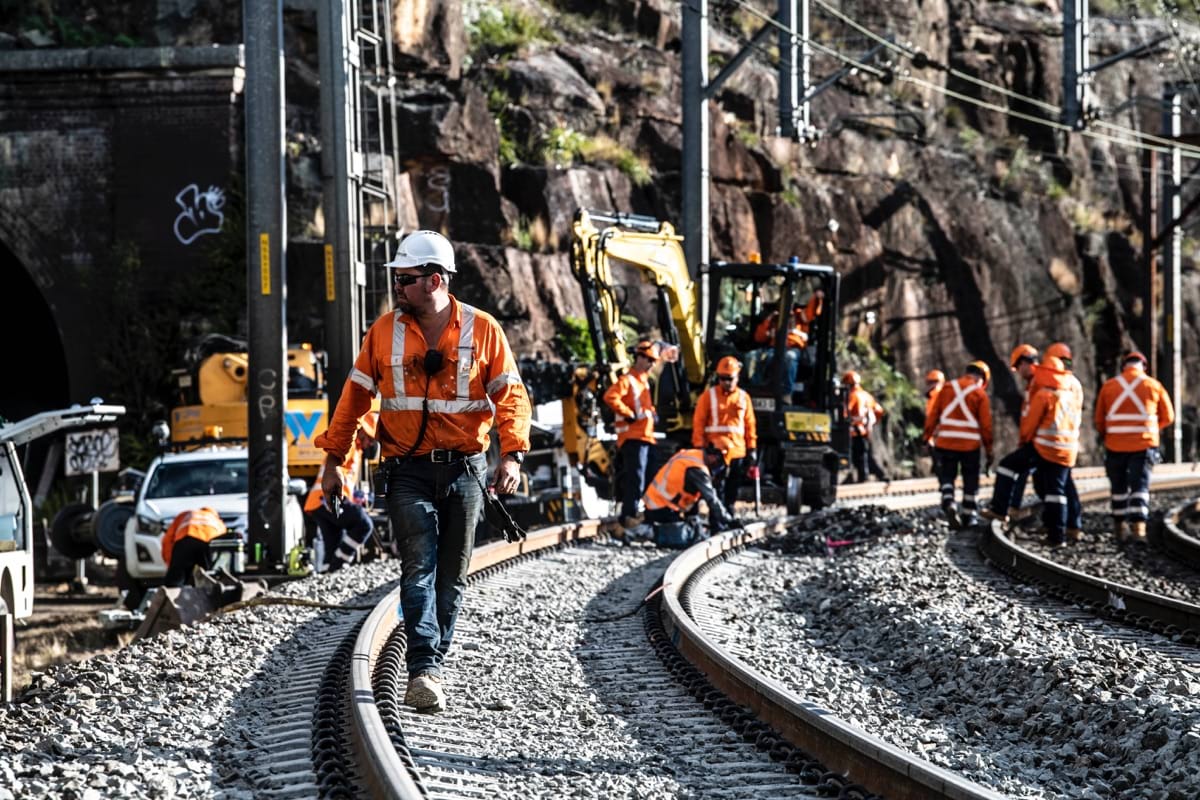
(424,249)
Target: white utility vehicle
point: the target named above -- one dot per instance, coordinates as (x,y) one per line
(217,477)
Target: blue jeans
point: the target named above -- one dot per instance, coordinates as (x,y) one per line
(434,510)
(1129,477)
(342,536)
(635,457)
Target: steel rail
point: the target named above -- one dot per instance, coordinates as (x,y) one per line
(996,545)
(1175,540)
(868,760)
(382,769)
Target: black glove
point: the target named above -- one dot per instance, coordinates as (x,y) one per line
(752,456)
(631,419)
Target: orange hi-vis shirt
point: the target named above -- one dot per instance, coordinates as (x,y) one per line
(630,397)
(1130,411)
(726,419)
(350,470)
(961,417)
(1055,416)
(798,334)
(931,397)
(667,488)
(862,412)
(201,523)
(478,386)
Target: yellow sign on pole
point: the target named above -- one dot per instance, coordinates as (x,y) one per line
(264,261)
(330,286)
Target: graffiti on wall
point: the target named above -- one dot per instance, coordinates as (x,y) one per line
(201,212)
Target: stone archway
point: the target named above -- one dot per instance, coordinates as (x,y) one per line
(35,362)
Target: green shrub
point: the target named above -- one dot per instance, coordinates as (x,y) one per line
(574,342)
(501,30)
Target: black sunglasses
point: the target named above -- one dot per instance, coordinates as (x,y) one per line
(407,280)
(724,377)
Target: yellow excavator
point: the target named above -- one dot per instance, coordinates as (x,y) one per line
(212,399)
(803,439)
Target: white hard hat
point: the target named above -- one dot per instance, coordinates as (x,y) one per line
(424,247)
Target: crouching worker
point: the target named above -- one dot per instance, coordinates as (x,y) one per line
(671,497)
(185,544)
(343,528)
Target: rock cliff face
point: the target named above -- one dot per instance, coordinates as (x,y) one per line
(961,224)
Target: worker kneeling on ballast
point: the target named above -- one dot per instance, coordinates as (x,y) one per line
(670,499)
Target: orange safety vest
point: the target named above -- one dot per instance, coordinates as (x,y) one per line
(931,397)
(348,469)
(1055,416)
(201,523)
(630,397)
(1130,411)
(961,417)
(727,420)
(479,384)
(798,334)
(666,490)
(862,412)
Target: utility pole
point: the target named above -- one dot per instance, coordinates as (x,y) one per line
(1171,207)
(1150,214)
(795,70)
(266,254)
(695,156)
(1076,69)
(341,172)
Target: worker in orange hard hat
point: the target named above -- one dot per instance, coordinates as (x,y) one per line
(960,424)
(935,379)
(632,404)
(862,412)
(799,359)
(1013,470)
(1131,409)
(1062,351)
(724,417)
(677,486)
(1052,425)
(343,525)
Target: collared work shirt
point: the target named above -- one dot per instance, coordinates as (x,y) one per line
(726,419)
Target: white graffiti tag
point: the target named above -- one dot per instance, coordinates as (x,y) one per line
(201,212)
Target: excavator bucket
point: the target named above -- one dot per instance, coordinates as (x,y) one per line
(177,606)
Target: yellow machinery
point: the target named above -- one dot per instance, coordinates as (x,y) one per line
(213,394)
(802,440)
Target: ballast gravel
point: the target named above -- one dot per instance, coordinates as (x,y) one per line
(978,678)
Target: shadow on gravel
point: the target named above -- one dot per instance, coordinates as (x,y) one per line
(921,669)
(250,764)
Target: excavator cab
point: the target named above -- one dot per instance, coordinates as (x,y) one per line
(780,321)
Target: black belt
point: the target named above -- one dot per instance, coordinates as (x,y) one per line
(434,456)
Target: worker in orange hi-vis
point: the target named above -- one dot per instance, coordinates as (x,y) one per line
(797,353)
(935,379)
(959,424)
(1131,409)
(343,525)
(185,544)
(1052,425)
(1013,470)
(862,412)
(1062,351)
(631,402)
(724,417)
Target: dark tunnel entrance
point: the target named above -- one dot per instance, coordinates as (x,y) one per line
(36,372)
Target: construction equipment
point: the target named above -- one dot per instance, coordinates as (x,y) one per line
(16,519)
(803,440)
(212,396)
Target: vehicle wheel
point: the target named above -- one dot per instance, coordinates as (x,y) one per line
(819,489)
(108,527)
(795,491)
(71,531)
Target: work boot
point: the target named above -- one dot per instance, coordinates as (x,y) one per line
(630,522)
(1138,530)
(1055,540)
(987,513)
(1017,514)
(1074,535)
(951,514)
(425,693)
(1121,530)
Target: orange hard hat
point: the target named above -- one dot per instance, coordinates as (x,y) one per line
(1059,350)
(369,423)
(729,366)
(852,378)
(648,349)
(935,375)
(983,369)
(1022,351)
(1135,355)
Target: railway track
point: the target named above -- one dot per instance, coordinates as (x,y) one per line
(654,697)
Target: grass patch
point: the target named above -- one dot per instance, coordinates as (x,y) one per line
(501,31)
(563,147)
